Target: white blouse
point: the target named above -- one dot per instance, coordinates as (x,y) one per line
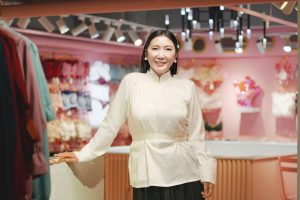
(165,121)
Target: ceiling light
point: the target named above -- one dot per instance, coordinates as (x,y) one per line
(183,36)
(135,38)
(45,22)
(188,45)
(119,35)
(210,34)
(218,46)
(287,48)
(222,32)
(80,28)
(285,6)
(108,33)
(221,7)
(23,22)
(63,28)
(93,31)
(260,46)
(9,21)
(239,50)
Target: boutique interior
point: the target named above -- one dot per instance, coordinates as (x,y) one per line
(242,57)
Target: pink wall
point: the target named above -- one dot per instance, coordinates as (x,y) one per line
(259,66)
(263,123)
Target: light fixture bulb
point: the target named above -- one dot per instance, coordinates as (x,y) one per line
(248,33)
(222,32)
(287,48)
(210,34)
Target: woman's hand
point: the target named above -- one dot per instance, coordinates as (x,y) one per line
(68,157)
(208,189)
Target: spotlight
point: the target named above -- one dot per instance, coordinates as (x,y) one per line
(63,28)
(188,46)
(260,46)
(9,21)
(182,12)
(45,22)
(264,42)
(79,29)
(210,34)
(183,36)
(222,32)
(218,46)
(285,6)
(211,23)
(108,34)
(135,38)
(287,48)
(119,35)
(221,7)
(23,22)
(93,31)
(239,50)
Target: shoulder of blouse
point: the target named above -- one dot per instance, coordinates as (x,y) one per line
(133,76)
(184,81)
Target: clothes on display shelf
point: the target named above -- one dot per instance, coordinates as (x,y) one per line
(31,108)
(284,104)
(80,100)
(68,134)
(65,68)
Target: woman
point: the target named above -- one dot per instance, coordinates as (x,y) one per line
(168,157)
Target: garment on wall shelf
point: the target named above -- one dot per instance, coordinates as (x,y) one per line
(217,127)
(79,100)
(284,104)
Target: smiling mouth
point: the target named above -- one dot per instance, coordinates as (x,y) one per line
(160,63)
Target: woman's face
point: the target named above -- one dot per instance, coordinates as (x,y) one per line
(161,54)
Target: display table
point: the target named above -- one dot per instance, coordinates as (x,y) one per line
(245,171)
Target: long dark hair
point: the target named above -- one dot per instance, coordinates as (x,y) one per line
(145,64)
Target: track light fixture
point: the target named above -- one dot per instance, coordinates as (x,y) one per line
(119,35)
(135,38)
(80,28)
(9,21)
(167,21)
(92,29)
(47,24)
(285,6)
(23,22)
(287,47)
(62,27)
(108,33)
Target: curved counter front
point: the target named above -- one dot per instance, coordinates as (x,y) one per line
(246,170)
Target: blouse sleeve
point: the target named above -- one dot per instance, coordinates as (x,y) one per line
(196,136)
(109,127)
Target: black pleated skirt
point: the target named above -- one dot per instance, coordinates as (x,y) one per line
(186,191)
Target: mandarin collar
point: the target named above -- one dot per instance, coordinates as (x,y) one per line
(155,77)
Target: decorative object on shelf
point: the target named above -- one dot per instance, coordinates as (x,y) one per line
(285,72)
(208,77)
(284,104)
(213,123)
(68,134)
(247,91)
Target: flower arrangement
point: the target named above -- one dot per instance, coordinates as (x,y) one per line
(246,91)
(285,71)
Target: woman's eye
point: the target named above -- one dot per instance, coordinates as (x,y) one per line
(154,48)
